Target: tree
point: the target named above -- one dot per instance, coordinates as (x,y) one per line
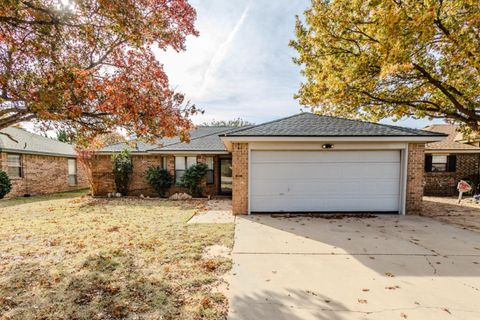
(89,65)
(385,58)
(63,136)
(238,122)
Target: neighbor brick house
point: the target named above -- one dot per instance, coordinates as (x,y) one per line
(450,160)
(303,163)
(39,165)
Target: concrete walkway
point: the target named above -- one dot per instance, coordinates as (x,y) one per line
(379,268)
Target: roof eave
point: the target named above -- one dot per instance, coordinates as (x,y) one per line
(39,153)
(228,140)
(444,150)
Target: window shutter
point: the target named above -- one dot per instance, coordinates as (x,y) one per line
(428,163)
(451,163)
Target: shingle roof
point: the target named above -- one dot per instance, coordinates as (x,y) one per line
(201,139)
(311,125)
(32,143)
(451,141)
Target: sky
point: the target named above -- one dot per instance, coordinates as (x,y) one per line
(241,64)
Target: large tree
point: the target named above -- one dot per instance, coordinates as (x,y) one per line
(374,59)
(87,65)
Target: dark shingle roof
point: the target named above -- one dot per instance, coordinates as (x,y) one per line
(201,139)
(32,143)
(312,125)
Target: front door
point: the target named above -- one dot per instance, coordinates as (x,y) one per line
(225,176)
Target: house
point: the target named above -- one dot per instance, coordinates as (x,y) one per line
(302,163)
(39,165)
(450,160)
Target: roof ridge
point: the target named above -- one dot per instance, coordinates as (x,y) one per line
(270,122)
(196,138)
(404,129)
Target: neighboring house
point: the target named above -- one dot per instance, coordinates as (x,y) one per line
(450,160)
(39,165)
(303,163)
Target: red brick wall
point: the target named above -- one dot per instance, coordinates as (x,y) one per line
(415,177)
(445,183)
(104,180)
(240,178)
(43,175)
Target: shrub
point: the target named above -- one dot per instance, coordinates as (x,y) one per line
(192,178)
(5,184)
(122,171)
(159,179)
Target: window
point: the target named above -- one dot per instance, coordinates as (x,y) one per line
(440,163)
(182,164)
(210,173)
(72,172)
(14,165)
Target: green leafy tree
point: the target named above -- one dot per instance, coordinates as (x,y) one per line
(160,179)
(122,171)
(192,179)
(5,184)
(64,136)
(374,59)
(238,122)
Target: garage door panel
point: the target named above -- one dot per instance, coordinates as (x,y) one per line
(323,187)
(325,156)
(324,181)
(352,204)
(322,170)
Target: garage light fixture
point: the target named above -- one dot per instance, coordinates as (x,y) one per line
(327,146)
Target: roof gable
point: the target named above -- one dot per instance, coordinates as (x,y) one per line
(311,125)
(451,141)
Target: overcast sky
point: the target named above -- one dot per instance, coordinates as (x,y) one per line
(241,64)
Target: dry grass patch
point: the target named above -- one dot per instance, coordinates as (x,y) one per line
(81,258)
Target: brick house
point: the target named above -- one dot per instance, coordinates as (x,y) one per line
(450,160)
(39,165)
(302,163)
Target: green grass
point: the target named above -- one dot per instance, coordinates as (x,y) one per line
(70,257)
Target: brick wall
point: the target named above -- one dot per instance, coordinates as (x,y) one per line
(104,180)
(415,177)
(43,175)
(240,178)
(445,183)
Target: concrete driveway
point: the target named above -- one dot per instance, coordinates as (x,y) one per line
(388,267)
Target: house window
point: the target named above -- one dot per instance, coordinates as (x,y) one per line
(72,172)
(210,173)
(440,163)
(182,164)
(14,166)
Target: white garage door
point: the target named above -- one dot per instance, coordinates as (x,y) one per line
(329,181)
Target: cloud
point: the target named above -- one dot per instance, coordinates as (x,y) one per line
(221,53)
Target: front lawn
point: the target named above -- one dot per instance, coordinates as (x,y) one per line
(79,258)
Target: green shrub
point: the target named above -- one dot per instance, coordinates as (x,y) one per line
(159,179)
(122,171)
(192,178)
(5,184)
